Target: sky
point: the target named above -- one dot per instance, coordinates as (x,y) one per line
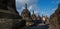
(40,7)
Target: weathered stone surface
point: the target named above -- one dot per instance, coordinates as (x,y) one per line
(5,23)
(8,14)
(8,6)
(34,17)
(26,13)
(55,18)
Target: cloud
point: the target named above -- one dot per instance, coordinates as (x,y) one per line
(20,4)
(29,2)
(20,10)
(36,12)
(30,7)
(34,8)
(54,10)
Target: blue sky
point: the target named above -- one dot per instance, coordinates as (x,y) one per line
(41,7)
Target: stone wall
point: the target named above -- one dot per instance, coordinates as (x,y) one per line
(6,23)
(8,14)
(55,18)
